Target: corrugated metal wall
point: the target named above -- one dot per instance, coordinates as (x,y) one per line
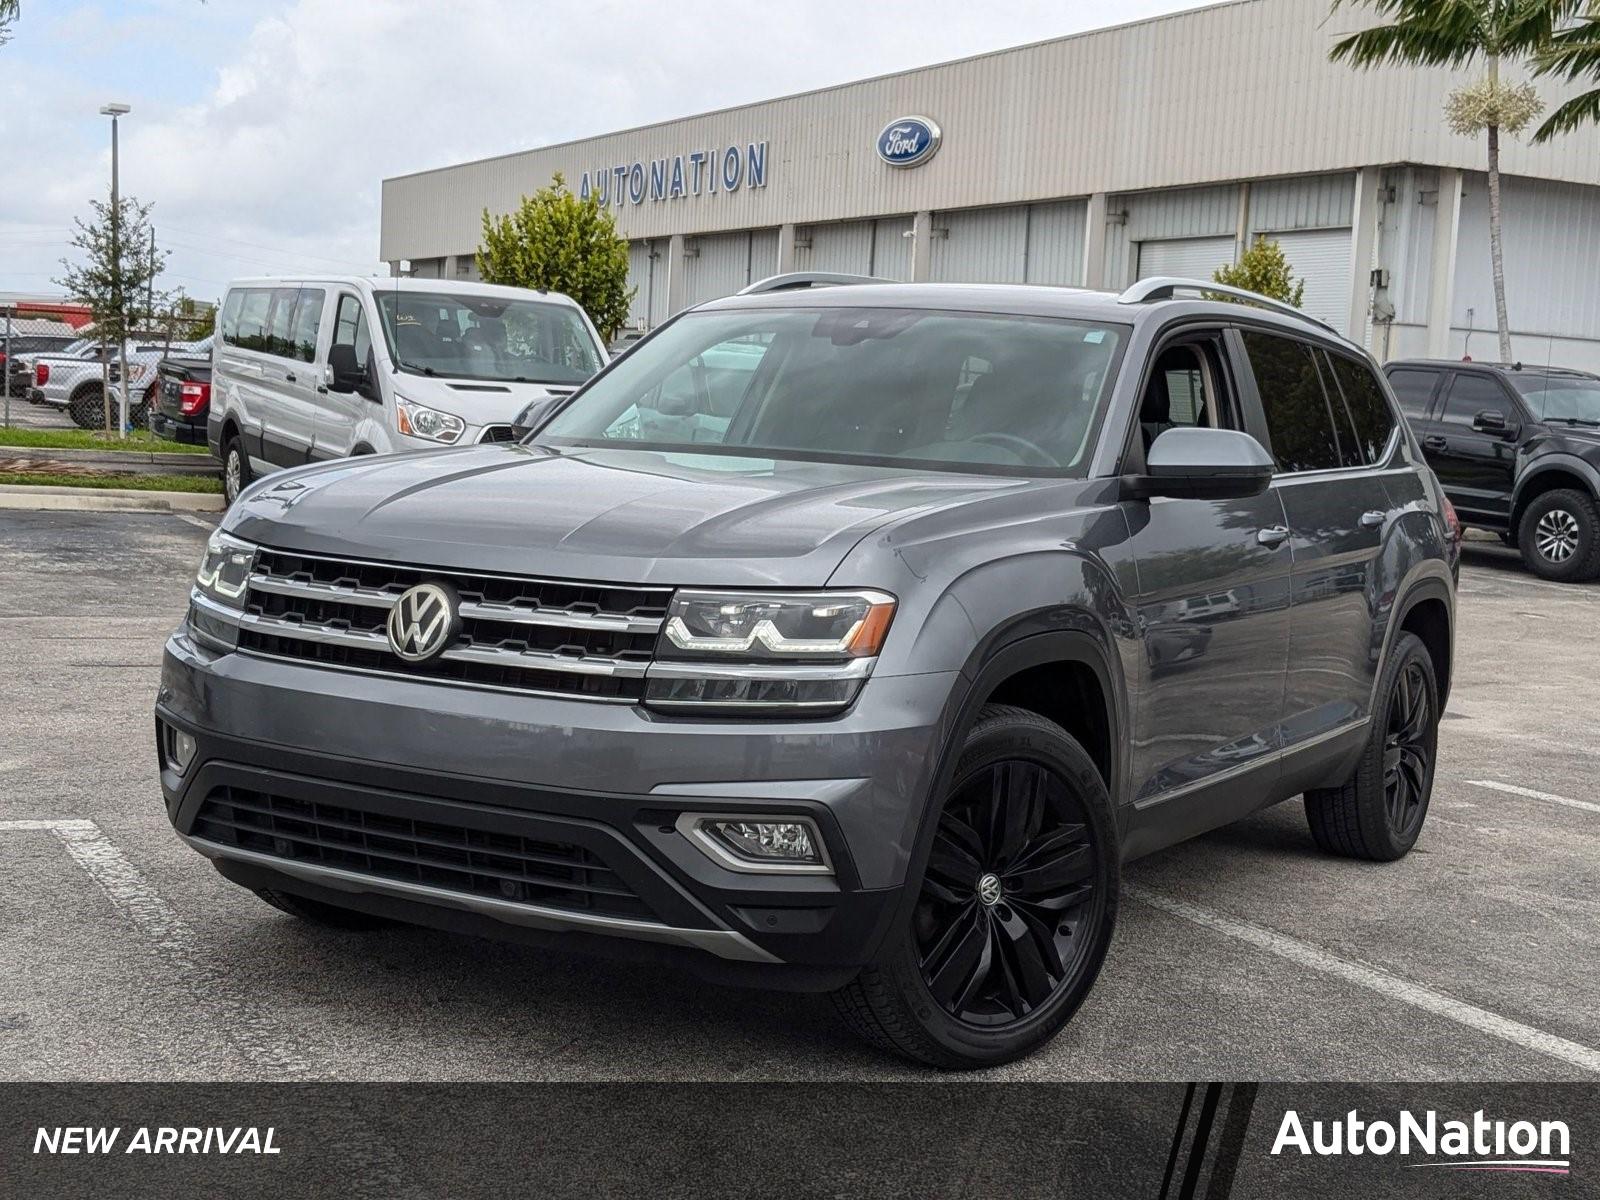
(846,246)
(1055,243)
(891,248)
(1227,92)
(984,245)
(1551,235)
(1317,202)
(1321,257)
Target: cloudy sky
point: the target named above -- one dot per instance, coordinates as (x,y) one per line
(261,129)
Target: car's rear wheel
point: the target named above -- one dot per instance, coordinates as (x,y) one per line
(235,469)
(87,409)
(1014,912)
(1559,536)
(318,912)
(1378,812)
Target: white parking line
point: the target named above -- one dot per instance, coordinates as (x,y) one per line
(208,526)
(1374,980)
(255,1036)
(1513,789)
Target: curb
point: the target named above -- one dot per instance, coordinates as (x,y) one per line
(131,462)
(71,499)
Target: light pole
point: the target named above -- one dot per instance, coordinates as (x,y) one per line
(114,111)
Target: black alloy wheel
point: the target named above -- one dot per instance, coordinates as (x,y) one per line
(1407,754)
(1010,885)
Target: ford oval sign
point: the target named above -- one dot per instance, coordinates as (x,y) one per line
(908,142)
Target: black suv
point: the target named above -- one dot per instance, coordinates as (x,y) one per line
(1517,449)
(848,638)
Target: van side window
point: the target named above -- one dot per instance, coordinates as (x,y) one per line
(280,327)
(1299,421)
(307,320)
(230,317)
(350,328)
(253,313)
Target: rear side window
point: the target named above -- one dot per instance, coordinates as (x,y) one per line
(1299,420)
(280,328)
(1370,416)
(1414,390)
(230,317)
(254,310)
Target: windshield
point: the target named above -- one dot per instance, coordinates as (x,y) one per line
(1561,397)
(478,337)
(946,390)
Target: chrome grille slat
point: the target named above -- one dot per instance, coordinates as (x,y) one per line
(564,637)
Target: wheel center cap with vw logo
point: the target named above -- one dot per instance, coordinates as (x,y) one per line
(424,621)
(989,889)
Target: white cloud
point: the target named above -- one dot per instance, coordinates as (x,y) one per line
(263,141)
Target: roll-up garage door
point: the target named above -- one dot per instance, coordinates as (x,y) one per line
(1322,258)
(1185,258)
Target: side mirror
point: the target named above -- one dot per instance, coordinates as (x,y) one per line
(344,374)
(534,415)
(1204,464)
(1491,421)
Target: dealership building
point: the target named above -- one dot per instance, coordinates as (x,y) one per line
(1157,148)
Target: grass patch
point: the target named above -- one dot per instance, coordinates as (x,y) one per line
(204,484)
(94,439)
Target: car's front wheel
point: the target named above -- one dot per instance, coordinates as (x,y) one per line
(1559,536)
(1014,912)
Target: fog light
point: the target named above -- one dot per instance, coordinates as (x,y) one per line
(757,843)
(180,749)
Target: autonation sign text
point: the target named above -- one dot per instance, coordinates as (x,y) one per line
(697,173)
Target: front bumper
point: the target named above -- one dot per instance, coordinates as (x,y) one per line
(609,780)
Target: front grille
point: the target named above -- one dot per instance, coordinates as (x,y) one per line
(505,866)
(498,433)
(554,636)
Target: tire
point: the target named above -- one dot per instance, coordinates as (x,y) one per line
(235,469)
(975,975)
(87,409)
(1378,812)
(1559,535)
(318,912)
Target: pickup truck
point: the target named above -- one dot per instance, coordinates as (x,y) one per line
(76,383)
(182,399)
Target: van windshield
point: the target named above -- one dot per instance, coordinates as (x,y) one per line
(960,391)
(479,337)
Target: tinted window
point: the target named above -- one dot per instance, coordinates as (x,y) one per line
(1473,394)
(307,318)
(1344,426)
(954,390)
(1369,410)
(1414,389)
(1298,418)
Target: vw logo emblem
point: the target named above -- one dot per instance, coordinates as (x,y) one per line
(989,889)
(423,622)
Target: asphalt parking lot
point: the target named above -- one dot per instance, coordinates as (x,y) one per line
(1245,954)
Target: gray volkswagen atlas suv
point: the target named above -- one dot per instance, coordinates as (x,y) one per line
(843,638)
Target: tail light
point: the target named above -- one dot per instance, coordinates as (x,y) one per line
(1453,523)
(193,398)
(41,374)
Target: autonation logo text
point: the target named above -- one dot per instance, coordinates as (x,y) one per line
(1480,1144)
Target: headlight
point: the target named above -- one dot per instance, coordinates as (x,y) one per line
(767,653)
(225,569)
(798,626)
(418,421)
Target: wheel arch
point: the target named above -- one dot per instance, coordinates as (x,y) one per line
(1427,609)
(1550,474)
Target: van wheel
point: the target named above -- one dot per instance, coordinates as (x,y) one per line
(235,469)
(1378,812)
(87,409)
(1015,909)
(1559,535)
(318,912)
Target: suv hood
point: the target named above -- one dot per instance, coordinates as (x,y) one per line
(627,516)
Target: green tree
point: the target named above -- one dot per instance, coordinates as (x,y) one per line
(1574,54)
(10,10)
(1263,269)
(113,276)
(560,243)
(1454,33)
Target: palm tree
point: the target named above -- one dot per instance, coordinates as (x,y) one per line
(1453,33)
(10,10)
(1574,53)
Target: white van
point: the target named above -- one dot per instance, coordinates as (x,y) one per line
(299,375)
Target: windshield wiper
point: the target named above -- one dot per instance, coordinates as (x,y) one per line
(1583,421)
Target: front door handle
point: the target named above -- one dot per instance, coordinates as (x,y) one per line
(1272,535)
(1372,519)
(1433,442)
(288,377)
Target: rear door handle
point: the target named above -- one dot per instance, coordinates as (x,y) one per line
(1372,519)
(288,377)
(1272,535)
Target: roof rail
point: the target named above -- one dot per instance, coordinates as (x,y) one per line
(806,279)
(1162,287)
